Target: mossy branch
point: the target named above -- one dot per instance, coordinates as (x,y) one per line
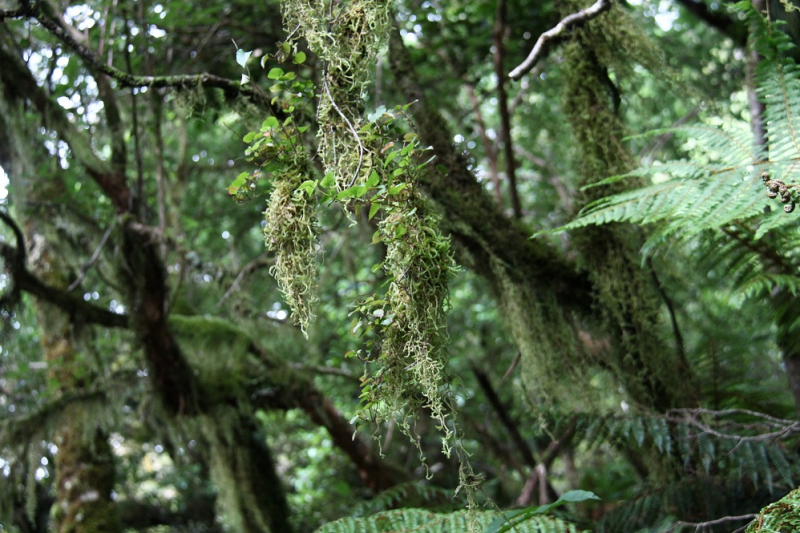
(557,34)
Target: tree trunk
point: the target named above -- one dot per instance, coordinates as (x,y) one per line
(84,463)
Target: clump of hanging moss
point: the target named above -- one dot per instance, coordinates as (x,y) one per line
(291,232)
(419,262)
(346,37)
(407,328)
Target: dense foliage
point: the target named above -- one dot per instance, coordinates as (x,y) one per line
(323,265)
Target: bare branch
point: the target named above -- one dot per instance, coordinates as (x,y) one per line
(700,526)
(557,34)
(88,265)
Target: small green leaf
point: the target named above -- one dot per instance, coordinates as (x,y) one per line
(397,188)
(275,73)
(300,58)
(376,238)
(308,186)
(408,137)
(264,59)
(373,209)
(289,76)
(302,129)
(373,180)
(328,180)
(400,231)
(242,57)
(238,183)
(390,158)
(270,123)
(250,136)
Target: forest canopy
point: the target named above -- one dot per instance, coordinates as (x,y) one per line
(361,265)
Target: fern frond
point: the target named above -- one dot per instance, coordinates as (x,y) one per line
(421,521)
(720,184)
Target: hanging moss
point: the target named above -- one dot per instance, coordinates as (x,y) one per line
(218,352)
(410,322)
(251,497)
(346,36)
(292,232)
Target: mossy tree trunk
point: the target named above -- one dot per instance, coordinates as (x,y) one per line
(655,374)
(84,463)
(84,488)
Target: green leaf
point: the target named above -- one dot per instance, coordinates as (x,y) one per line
(511,519)
(353,192)
(373,180)
(289,76)
(308,186)
(275,73)
(373,209)
(390,158)
(328,180)
(238,183)
(242,57)
(397,188)
(300,58)
(578,496)
(250,136)
(269,123)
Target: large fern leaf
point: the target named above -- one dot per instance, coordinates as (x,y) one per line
(722,183)
(422,521)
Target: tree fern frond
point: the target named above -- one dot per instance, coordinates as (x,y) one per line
(720,184)
(734,441)
(765,282)
(421,521)
(410,494)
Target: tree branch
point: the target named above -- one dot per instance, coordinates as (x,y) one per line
(557,34)
(502,98)
(185,81)
(79,310)
(701,526)
(718,20)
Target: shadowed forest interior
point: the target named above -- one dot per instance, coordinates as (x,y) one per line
(412,265)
